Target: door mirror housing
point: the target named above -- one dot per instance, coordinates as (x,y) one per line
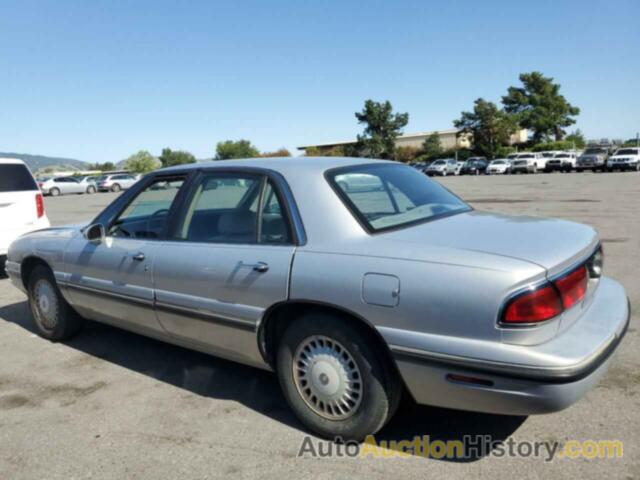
(95,233)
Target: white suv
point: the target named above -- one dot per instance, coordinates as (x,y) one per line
(21,204)
(528,162)
(625,159)
(115,183)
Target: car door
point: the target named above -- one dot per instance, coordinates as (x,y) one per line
(227,260)
(111,280)
(74,185)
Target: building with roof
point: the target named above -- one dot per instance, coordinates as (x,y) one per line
(449,140)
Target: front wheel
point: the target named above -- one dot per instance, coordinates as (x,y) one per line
(54,192)
(53,317)
(115,187)
(333,378)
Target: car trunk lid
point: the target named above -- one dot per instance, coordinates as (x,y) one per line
(552,244)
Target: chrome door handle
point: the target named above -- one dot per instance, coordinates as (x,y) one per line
(138,257)
(260,267)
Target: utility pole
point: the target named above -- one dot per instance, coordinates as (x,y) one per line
(637,139)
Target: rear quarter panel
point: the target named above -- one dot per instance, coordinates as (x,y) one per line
(441,300)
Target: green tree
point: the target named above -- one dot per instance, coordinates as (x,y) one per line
(382,127)
(281,152)
(103,167)
(432,148)
(489,127)
(539,106)
(576,138)
(236,149)
(169,158)
(141,162)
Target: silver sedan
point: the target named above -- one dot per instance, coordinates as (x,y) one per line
(354,280)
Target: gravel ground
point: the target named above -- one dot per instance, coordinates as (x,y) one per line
(111,404)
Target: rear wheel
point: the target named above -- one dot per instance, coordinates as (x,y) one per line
(53,317)
(115,187)
(91,189)
(54,192)
(334,380)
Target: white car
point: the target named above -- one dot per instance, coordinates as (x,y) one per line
(89,182)
(562,162)
(21,204)
(625,159)
(528,162)
(443,167)
(499,166)
(115,183)
(61,186)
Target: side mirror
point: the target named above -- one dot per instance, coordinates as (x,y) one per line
(95,233)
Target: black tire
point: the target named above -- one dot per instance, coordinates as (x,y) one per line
(91,189)
(54,192)
(58,321)
(115,187)
(381,387)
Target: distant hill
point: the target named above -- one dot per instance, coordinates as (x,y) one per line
(38,162)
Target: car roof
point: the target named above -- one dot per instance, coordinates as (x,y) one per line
(284,165)
(12,161)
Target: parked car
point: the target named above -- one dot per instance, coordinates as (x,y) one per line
(442,167)
(549,154)
(346,294)
(90,183)
(115,183)
(594,158)
(21,204)
(625,159)
(499,166)
(528,162)
(562,162)
(62,186)
(474,166)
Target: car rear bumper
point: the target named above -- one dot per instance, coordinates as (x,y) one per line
(570,365)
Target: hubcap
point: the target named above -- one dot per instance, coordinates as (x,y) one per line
(327,377)
(46,305)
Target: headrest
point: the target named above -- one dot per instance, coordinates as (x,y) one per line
(237,222)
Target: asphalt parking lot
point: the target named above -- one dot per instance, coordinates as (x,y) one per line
(111,404)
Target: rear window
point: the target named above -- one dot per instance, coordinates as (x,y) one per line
(16,178)
(387,196)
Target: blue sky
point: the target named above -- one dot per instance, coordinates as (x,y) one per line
(99,80)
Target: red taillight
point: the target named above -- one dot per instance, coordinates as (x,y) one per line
(573,287)
(39,205)
(535,306)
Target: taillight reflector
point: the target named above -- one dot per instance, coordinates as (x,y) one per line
(535,306)
(573,287)
(39,205)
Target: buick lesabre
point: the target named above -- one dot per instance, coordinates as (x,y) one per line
(354,280)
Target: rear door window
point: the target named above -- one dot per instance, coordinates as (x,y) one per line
(16,178)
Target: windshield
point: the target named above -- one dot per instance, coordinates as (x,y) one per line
(497,162)
(392,196)
(592,151)
(525,156)
(547,154)
(563,155)
(439,162)
(627,151)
